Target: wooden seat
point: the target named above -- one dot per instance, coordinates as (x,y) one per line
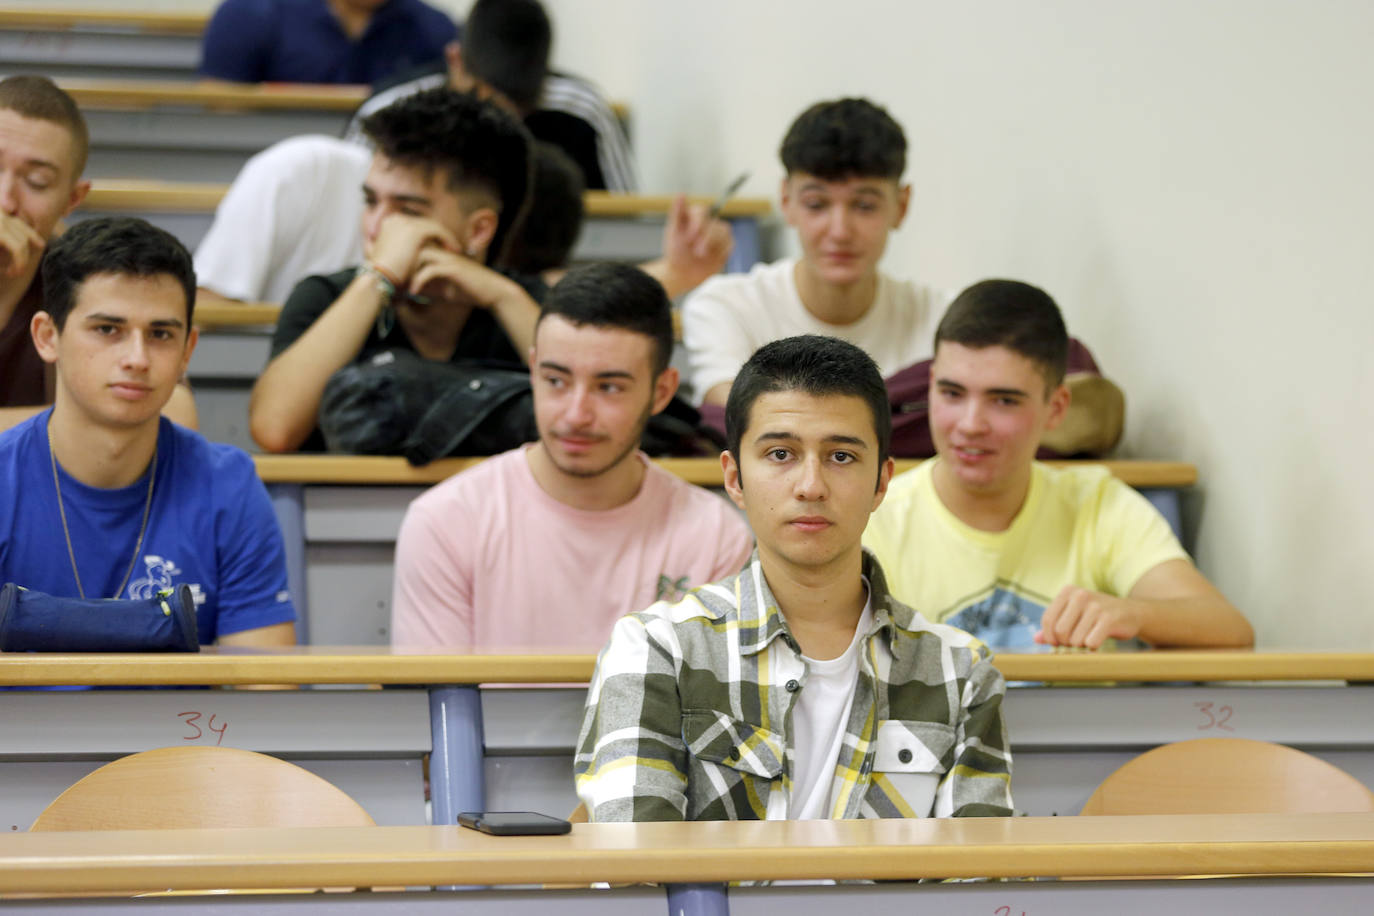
(1228,776)
(175,787)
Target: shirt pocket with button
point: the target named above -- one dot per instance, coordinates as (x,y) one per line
(732,765)
(908,763)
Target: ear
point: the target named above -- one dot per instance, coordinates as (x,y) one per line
(884,478)
(45,336)
(665,386)
(1059,406)
(453,57)
(79,192)
(903,201)
(734,485)
(479,229)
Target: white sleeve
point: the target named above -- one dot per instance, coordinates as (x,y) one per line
(715,335)
(235,257)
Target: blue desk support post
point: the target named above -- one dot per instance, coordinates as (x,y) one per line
(698,900)
(456,780)
(288,502)
(748,249)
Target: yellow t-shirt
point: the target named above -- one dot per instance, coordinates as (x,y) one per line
(1079,526)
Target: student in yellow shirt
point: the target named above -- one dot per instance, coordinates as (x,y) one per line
(987,539)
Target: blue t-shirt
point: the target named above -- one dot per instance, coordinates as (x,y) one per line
(300,41)
(211,527)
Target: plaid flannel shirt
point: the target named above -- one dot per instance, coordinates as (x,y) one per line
(689,714)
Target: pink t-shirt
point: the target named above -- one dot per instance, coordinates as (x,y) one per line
(487,562)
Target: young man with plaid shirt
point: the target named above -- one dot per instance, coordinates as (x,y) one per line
(800,688)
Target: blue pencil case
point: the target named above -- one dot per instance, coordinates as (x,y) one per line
(33,621)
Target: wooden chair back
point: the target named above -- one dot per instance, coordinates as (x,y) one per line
(174,787)
(1228,776)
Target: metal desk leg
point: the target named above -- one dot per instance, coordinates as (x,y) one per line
(288,502)
(698,900)
(1166,500)
(748,250)
(456,780)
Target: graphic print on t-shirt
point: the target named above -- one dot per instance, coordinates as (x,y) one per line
(670,589)
(158,577)
(1002,617)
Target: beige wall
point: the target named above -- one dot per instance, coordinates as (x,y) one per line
(1189,179)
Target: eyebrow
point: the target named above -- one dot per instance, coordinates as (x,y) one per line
(609,373)
(102,318)
(793,437)
(399,198)
(1001,392)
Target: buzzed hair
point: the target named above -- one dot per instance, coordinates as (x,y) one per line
(605,295)
(1011,314)
(39,98)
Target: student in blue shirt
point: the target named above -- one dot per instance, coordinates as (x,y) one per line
(322,41)
(100,496)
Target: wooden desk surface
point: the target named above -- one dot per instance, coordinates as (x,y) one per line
(166,21)
(142,94)
(384,665)
(196,197)
(368,469)
(689,852)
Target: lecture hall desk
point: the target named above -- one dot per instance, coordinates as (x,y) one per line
(690,859)
(511,748)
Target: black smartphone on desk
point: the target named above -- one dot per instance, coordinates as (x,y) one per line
(513,823)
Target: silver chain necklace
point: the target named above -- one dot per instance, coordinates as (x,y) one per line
(67,535)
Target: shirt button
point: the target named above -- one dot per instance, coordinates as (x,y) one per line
(732,753)
(793,686)
(904,755)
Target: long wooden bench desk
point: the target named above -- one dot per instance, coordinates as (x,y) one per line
(192,130)
(340,515)
(104,43)
(511,748)
(686,856)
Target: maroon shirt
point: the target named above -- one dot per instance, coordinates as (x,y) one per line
(25,380)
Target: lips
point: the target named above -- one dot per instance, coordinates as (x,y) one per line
(811,523)
(130,391)
(577,443)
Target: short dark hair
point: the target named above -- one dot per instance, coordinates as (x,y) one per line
(506,45)
(814,364)
(615,296)
(845,138)
(554,218)
(481,147)
(111,245)
(39,98)
(1011,314)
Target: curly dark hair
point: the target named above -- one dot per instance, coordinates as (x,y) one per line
(845,138)
(481,147)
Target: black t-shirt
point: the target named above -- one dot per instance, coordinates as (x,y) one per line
(25,380)
(482,337)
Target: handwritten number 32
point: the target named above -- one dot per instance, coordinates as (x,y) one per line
(193,717)
(1215,720)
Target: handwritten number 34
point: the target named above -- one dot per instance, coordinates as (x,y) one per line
(193,717)
(1215,720)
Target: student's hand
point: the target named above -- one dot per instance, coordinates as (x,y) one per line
(695,246)
(445,277)
(401,238)
(1080,617)
(19,243)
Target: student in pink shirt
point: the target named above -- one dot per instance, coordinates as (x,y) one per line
(544,547)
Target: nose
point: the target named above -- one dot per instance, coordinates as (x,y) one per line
(838,224)
(9,194)
(135,353)
(810,483)
(972,418)
(579,406)
(372,221)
